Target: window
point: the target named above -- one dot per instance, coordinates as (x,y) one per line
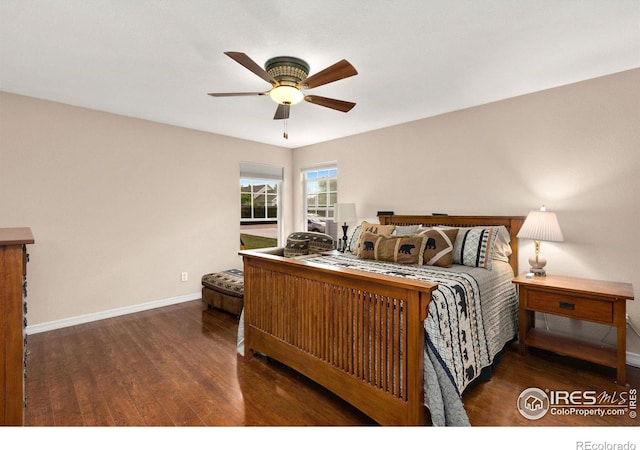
(258,200)
(259,205)
(321,194)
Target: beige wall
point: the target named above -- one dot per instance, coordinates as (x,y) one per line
(119,207)
(575,149)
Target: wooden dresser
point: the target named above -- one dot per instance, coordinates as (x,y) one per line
(13,308)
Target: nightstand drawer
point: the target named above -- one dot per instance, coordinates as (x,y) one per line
(570,306)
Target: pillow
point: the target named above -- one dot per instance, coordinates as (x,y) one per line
(438,250)
(474,247)
(502,250)
(375,228)
(405,230)
(398,249)
(296,247)
(353,239)
(318,242)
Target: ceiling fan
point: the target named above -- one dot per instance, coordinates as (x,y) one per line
(288,76)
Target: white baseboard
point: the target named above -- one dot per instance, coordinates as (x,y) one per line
(63,323)
(633,359)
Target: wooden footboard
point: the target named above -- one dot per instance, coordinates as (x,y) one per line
(359,335)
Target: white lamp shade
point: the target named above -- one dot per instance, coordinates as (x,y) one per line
(345,212)
(541,226)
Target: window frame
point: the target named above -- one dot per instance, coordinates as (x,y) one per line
(253,182)
(326,210)
(261,174)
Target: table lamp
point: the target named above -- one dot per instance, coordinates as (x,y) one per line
(539,226)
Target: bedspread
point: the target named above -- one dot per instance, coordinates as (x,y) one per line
(472,315)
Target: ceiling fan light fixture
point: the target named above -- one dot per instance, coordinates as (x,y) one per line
(286,95)
(288,77)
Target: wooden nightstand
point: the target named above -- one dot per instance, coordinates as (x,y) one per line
(591,300)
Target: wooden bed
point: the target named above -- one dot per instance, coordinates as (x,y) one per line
(358,334)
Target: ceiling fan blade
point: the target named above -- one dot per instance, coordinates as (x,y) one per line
(234,94)
(282,112)
(250,64)
(338,71)
(332,103)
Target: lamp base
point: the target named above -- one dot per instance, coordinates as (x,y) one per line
(343,248)
(537,263)
(538,272)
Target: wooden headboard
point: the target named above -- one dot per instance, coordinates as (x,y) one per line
(512,223)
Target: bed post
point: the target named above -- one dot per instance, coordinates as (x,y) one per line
(417,412)
(516,224)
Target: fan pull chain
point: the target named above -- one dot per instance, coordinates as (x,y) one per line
(285,134)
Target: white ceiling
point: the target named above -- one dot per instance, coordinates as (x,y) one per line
(157,59)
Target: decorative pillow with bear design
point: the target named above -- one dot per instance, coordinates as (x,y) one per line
(398,249)
(376,228)
(438,250)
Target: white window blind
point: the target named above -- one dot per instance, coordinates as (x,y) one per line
(256,171)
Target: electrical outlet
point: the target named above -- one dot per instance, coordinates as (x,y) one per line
(185,276)
(632,326)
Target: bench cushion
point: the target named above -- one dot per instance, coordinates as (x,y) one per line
(229,282)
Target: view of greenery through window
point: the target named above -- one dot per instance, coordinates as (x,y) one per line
(259,204)
(258,214)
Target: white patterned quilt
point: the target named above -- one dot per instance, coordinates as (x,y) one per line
(472,315)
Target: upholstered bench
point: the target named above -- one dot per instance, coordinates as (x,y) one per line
(224,290)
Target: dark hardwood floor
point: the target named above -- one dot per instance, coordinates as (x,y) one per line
(178,366)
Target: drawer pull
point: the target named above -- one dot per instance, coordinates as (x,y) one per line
(567,305)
